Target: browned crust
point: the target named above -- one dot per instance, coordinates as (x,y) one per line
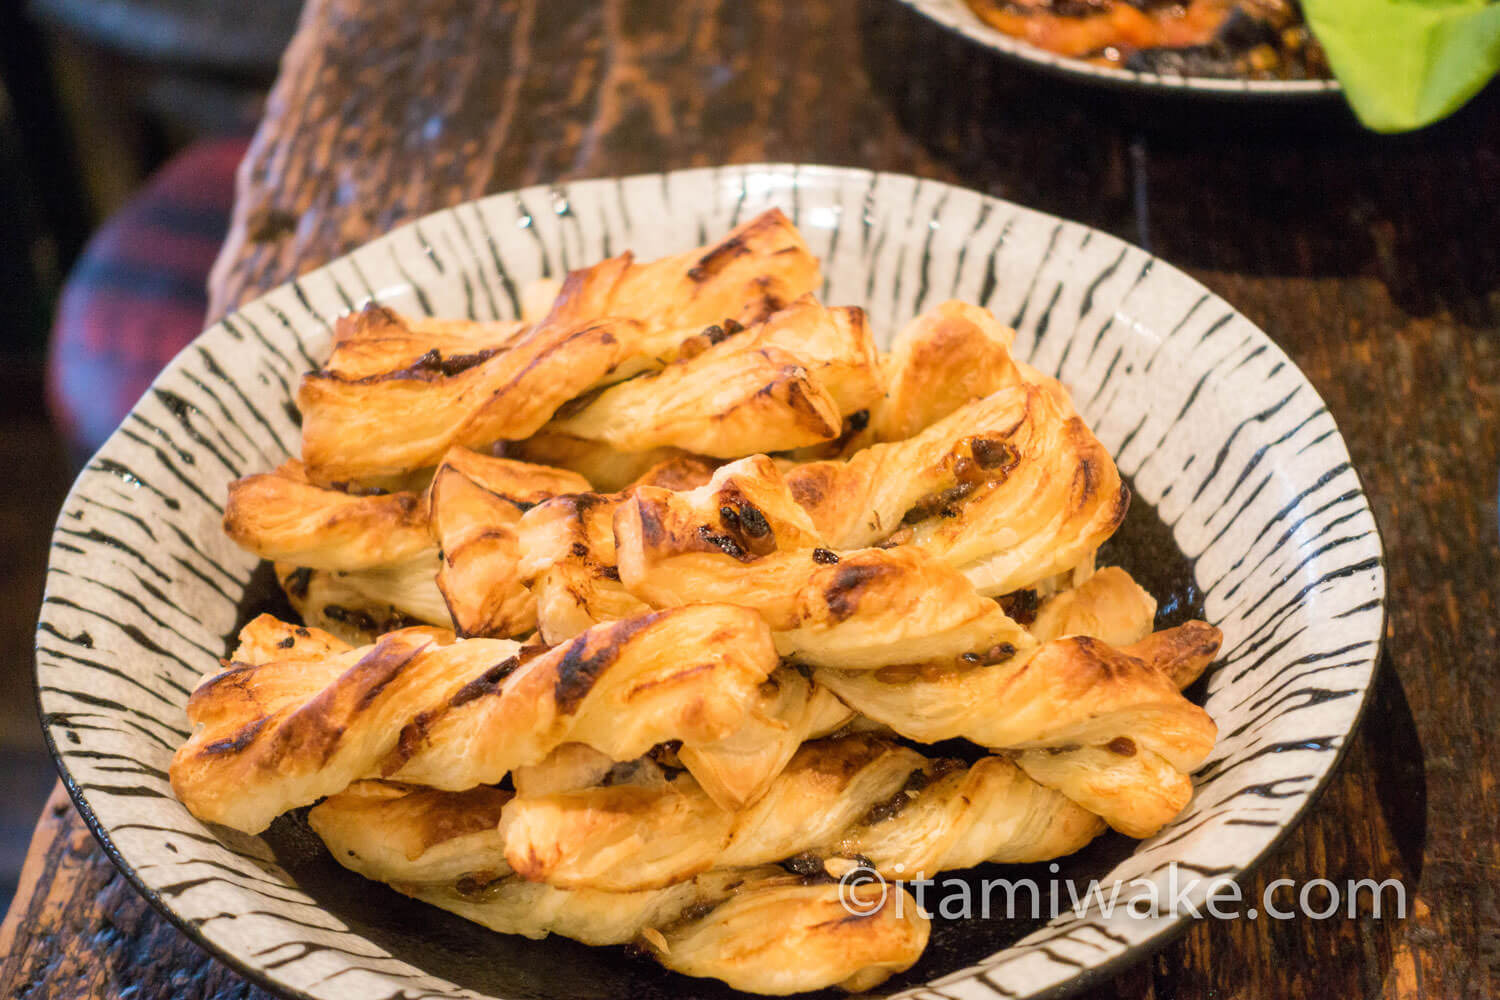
(282,517)
(1181,653)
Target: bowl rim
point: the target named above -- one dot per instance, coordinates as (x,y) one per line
(968,26)
(1131,954)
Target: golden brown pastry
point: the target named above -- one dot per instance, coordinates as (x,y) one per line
(782,935)
(271,736)
(760,929)
(359,606)
(1182,653)
(762,562)
(943,359)
(276,735)
(849,797)
(355,429)
(405,833)
(736,770)
(1109,606)
(610,322)
(1009,489)
(1057,698)
(756,269)
(376,339)
(283,517)
(266,637)
(743,540)
(783,383)
(606,469)
(476,503)
(690,674)
(567,549)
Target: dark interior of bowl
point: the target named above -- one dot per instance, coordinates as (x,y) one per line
(518,968)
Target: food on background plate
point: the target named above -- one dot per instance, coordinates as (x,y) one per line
(638,620)
(1238,39)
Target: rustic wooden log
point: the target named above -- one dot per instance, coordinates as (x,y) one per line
(1374,262)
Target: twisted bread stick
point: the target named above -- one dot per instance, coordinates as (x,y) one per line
(268,737)
(743,540)
(1061,699)
(276,735)
(758,929)
(854,796)
(689,674)
(1009,489)
(609,323)
(283,517)
(783,383)
(375,339)
(756,269)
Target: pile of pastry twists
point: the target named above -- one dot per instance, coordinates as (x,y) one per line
(633,621)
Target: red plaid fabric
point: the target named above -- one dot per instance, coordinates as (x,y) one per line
(138,292)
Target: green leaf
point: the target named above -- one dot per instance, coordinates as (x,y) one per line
(1405,64)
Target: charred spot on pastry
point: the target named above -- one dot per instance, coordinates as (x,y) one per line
(1122,745)
(382,665)
(808,491)
(486,683)
(434,363)
(825,557)
(579,550)
(408,742)
(589,655)
(892,807)
(237,742)
(1020,605)
(857,421)
(718,258)
(287,643)
(666,755)
(610,573)
(297,581)
(843,593)
(302,632)
(700,342)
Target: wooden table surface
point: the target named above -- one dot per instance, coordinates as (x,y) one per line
(1374,261)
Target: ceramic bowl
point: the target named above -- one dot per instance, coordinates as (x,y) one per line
(1246,511)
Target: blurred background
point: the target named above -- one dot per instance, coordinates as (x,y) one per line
(121,124)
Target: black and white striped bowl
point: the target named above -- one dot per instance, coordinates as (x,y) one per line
(956,16)
(1220,433)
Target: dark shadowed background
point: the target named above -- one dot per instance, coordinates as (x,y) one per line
(120,124)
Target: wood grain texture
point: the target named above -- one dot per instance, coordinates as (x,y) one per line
(1374,262)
